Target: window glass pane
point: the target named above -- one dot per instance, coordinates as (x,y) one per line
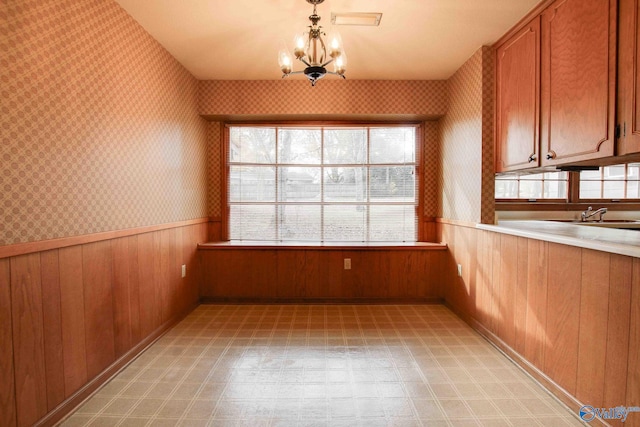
(507,188)
(252,183)
(614,172)
(633,171)
(299,222)
(590,189)
(299,184)
(392,145)
(555,189)
(392,223)
(633,190)
(530,189)
(345,223)
(613,189)
(393,183)
(252,145)
(252,222)
(587,175)
(345,146)
(345,184)
(299,146)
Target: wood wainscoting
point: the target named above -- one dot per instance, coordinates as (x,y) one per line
(71,316)
(567,315)
(318,274)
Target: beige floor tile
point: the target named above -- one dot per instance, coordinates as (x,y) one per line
(322,365)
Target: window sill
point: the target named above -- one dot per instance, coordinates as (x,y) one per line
(330,246)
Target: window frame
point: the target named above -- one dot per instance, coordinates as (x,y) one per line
(419,156)
(573,201)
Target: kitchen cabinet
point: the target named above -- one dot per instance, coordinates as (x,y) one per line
(629,77)
(578,81)
(517,99)
(556,99)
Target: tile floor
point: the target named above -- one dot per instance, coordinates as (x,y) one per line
(321,365)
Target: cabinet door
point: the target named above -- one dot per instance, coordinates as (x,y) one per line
(578,80)
(629,77)
(517,99)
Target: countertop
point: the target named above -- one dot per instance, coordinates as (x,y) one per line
(622,242)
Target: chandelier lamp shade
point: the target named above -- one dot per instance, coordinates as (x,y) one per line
(314,52)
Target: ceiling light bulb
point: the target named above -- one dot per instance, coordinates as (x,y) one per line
(299,49)
(335,45)
(285,61)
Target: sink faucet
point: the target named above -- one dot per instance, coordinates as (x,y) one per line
(590,213)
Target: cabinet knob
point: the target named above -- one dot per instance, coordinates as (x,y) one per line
(532,157)
(551,155)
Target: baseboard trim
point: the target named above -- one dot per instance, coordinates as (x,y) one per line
(545,381)
(324,301)
(68,406)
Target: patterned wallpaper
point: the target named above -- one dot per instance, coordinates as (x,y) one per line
(431,169)
(214,168)
(466,178)
(99,126)
(328,97)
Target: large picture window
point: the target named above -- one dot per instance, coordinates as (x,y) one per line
(354,184)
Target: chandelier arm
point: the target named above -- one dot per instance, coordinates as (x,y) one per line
(336,74)
(327,63)
(301,59)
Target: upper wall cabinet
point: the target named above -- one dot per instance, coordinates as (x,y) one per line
(556,82)
(517,100)
(578,81)
(629,77)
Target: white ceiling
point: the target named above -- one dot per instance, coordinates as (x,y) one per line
(240,39)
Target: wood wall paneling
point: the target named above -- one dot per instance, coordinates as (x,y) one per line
(536,311)
(97,267)
(594,315)
(563,315)
(615,372)
(290,271)
(134,291)
(148,283)
(122,309)
(72,313)
(520,298)
(68,314)
(52,317)
(508,286)
(7,379)
(28,339)
(633,369)
(496,283)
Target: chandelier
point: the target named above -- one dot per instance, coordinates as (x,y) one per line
(311,50)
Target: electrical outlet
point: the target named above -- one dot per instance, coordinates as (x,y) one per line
(459,270)
(347,263)
(184,270)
